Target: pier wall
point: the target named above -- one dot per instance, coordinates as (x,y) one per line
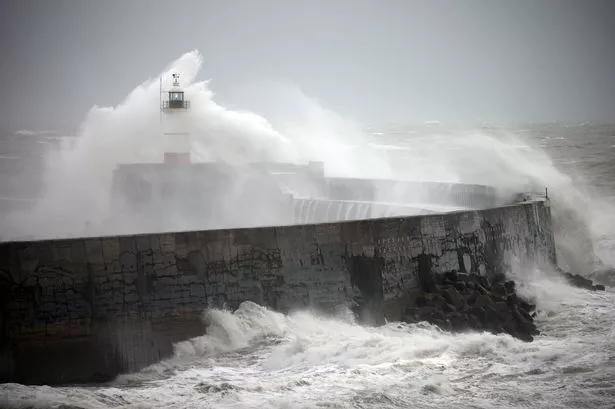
(80,310)
(416,192)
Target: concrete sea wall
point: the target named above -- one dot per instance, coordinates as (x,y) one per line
(87,309)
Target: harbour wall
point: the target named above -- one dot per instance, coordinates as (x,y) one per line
(80,310)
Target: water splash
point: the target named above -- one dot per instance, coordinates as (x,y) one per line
(78,178)
(76,200)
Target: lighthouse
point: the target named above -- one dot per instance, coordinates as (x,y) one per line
(172,192)
(173,120)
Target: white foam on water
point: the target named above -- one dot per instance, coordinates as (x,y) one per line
(255,357)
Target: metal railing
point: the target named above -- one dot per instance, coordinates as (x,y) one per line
(168,105)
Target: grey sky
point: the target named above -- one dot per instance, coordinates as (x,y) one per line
(376,61)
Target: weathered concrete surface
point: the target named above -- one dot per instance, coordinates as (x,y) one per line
(86,309)
(415,192)
(307,211)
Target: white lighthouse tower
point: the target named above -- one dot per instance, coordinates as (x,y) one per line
(173,120)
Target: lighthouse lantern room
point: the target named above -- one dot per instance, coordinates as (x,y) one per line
(175,99)
(173,105)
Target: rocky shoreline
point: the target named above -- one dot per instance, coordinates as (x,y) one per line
(459,302)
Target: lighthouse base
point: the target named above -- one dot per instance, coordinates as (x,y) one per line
(176,157)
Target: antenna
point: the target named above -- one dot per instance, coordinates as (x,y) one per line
(176,80)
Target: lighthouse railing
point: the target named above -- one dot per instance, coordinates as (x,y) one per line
(176,104)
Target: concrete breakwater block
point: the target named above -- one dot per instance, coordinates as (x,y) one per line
(459,302)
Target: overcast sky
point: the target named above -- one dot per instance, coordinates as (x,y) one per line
(377,61)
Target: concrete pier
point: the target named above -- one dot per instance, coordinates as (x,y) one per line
(88,309)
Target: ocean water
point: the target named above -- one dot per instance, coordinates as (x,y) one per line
(254,357)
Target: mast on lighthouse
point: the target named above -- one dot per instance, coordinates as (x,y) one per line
(173,106)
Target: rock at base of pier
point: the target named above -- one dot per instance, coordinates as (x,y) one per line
(460,302)
(578,280)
